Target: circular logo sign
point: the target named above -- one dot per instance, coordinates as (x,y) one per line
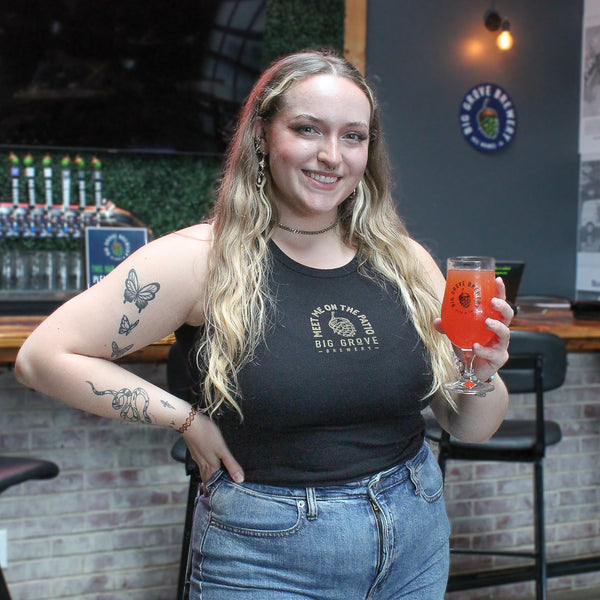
(117,247)
(488,119)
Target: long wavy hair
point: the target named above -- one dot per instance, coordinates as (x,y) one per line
(238,298)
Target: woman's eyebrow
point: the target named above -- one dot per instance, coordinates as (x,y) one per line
(314,119)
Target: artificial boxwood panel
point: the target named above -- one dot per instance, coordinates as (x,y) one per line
(293,25)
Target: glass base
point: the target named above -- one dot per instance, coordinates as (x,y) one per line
(466,386)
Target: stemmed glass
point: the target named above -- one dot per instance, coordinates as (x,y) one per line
(470,287)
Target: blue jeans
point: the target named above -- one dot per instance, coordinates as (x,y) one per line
(382,538)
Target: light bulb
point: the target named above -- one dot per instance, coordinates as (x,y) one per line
(505,39)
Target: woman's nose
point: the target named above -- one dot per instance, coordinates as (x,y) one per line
(329,153)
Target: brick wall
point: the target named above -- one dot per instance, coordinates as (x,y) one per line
(491,503)
(109,527)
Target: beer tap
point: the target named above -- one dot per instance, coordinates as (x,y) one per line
(19,213)
(35,216)
(69,216)
(97,177)
(5,209)
(53,215)
(85,216)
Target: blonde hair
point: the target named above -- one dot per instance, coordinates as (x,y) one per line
(238,298)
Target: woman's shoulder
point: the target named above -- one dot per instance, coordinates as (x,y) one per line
(419,251)
(200,234)
(428,263)
(185,246)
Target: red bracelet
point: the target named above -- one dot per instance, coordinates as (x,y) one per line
(188,421)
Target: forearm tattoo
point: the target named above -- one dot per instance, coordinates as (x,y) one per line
(131,404)
(167,404)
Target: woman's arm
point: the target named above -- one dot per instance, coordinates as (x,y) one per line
(477,418)
(70,355)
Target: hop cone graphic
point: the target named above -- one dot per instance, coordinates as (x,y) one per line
(489,124)
(464,299)
(342,326)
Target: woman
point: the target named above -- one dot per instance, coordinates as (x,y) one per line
(316,347)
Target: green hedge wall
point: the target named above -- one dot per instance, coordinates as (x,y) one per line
(293,25)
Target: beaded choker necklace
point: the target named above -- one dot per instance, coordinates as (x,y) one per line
(305,232)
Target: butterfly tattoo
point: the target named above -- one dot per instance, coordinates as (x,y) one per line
(126,326)
(139,295)
(118,352)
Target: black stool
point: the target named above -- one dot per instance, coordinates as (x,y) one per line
(180,453)
(537,363)
(17,469)
(179,384)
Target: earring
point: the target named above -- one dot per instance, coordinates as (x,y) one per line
(260,177)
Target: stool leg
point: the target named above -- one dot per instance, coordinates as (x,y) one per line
(539,527)
(4,593)
(183,585)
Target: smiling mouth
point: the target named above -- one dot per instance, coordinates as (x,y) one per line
(321,178)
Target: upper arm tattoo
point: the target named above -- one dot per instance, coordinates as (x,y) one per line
(139,295)
(126,325)
(118,352)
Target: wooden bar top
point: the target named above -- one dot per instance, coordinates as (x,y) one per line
(580,335)
(14,330)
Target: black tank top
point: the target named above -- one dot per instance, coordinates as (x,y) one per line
(335,392)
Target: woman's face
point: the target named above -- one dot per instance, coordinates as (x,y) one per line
(317,146)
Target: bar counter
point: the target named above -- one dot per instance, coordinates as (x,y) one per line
(579,335)
(14,330)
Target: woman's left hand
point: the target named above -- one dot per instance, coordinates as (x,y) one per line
(489,358)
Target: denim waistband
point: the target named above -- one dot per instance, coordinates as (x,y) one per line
(380,481)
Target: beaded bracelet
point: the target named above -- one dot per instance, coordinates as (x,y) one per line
(188,421)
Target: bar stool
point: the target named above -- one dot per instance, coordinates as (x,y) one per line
(15,470)
(179,384)
(537,363)
(179,452)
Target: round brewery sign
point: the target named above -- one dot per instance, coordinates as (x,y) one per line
(488,118)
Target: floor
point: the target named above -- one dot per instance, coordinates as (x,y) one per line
(591,594)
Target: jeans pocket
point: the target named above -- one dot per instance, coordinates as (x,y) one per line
(244,511)
(426,477)
(208,487)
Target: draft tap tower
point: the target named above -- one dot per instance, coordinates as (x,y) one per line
(24,217)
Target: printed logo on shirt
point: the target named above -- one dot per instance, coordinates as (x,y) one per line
(338,328)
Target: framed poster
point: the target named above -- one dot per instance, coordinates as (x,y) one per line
(589,114)
(106,247)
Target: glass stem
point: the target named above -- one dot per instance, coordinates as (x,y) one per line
(469,358)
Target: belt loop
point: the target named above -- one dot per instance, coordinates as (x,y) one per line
(311,504)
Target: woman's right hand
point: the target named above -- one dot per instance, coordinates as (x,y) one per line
(209,450)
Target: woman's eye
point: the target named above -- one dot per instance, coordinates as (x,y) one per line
(306,129)
(356,137)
